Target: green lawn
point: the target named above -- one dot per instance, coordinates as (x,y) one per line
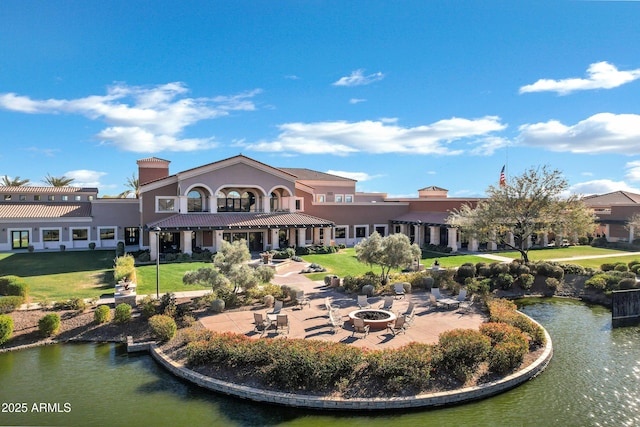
(597,262)
(170,277)
(568,252)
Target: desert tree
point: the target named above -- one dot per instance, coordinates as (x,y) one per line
(14,182)
(530,204)
(389,252)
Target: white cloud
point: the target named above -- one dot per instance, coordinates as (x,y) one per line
(383,136)
(600,133)
(358,176)
(600,75)
(356,100)
(487,146)
(85,178)
(601,186)
(141,119)
(633,171)
(47,152)
(357,78)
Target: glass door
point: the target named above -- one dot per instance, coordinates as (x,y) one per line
(19,239)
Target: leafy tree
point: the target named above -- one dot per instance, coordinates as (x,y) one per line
(393,251)
(634,223)
(206,276)
(529,204)
(14,182)
(58,181)
(133,185)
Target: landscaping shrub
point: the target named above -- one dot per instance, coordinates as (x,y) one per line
(526,281)
(354,284)
(607,266)
(49,324)
(574,269)
(634,268)
(124,268)
(478,286)
(163,327)
(506,356)
(119,249)
(14,286)
(627,284)
(504,281)
(260,291)
(10,303)
(552,283)
(283,253)
(217,305)
(633,263)
(483,269)
(148,306)
(621,266)
(597,282)
(144,257)
(6,328)
(467,270)
(122,313)
(167,304)
(462,351)
(498,268)
(92,245)
(265,274)
(75,303)
(102,314)
(504,311)
(408,367)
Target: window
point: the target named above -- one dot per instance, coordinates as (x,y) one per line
(341,233)
(398,229)
(7,197)
(107,233)
(320,198)
(37,198)
(65,198)
(90,198)
(166,205)
(23,197)
(339,198)
(361,231)
(321,234)
(51,235)
(51,197)
(348,198)
(77,198)
(80,234)
(194,201)
(382,230)
(299,205)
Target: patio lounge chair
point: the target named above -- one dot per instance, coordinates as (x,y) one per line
(409,313)
(277,307)
(398,288)
(302,300)
(436,293)
(327,304)
(387,303)
(466,305)
(359,327)
(261,324)
(336,320)
(363,301)
(434,301)
(399,326)
(462,295)
(282,322)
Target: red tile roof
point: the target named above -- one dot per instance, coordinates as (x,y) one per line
(220,221)
(25,210)
(27,189)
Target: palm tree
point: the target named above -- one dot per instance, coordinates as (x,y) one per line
(134,187)
(58,181)
(15,182)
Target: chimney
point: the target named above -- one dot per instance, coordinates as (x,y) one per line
(152,168)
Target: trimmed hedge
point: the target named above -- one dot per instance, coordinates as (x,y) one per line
(6,328)
(102,314)
(122,313)
(163,327)
(14,286)
(10,303)
(504,311)
(462,351)
(49,324)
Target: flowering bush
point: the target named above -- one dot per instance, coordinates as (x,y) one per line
(462,351)
(509,346)
(501,310)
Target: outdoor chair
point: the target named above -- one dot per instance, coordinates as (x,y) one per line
(336,320)
(327,304)
(277,307)
(302,300)
(409,313)
(466,305)
(387,303)
(363,301)
(462,295)
(398,288)
(399,326)
(436,293)
(282,322)
(434,301)
(261,324)
(359,327)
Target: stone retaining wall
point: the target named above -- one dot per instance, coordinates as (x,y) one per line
(360,404)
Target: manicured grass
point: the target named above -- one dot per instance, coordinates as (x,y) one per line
(597,262)
(568,252)
(62,275)
(170,277)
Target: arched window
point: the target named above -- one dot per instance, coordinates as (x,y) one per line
(248,200)
(274,202)
(194,201)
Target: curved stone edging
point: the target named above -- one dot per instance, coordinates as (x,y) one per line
(321,402)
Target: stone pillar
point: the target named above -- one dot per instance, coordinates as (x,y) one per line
(266,204)
(265,240)
(511,239)
(607,232)
(452,239)
(315,233)
(473,244)
(631,233)
(301,237)
(275,238)
(218,240)
(492,245)
(327,236)
(529,244)
(434,235)
(417,232)
(545,240)
(185,242)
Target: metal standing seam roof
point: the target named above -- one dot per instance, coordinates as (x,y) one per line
(26,210)
(224,221)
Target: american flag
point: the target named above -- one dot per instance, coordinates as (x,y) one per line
(503,180)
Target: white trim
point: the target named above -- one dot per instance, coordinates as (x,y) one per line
(385,226)
(301,204)
(340,196)
(50,242)
(355,233)
(101,241)
(347,196)
(176,204)
(318,197)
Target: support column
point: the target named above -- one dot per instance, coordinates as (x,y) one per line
(452,239)
(473,244)
(218,243)
(185,242)
(492,245)
(434,237)
(266,206)
(265,240)
(631,229)
(301,236)
(326,241)
(511,239)
(315,239)
(275,238)
(417,233)
(545,240)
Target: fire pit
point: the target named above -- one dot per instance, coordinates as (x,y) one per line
(376,319)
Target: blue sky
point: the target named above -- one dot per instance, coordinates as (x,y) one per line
(399,95)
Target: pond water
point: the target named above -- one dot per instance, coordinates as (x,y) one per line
(593,380)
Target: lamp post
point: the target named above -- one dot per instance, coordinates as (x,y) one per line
(157,231)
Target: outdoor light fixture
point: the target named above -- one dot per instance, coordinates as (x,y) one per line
(157,231)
